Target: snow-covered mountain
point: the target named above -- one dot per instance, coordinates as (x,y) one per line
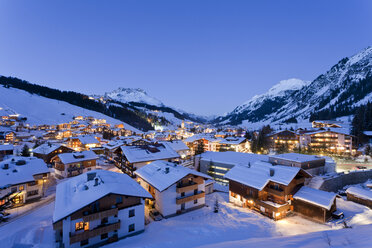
(333,94)
(140,100)
(127,95)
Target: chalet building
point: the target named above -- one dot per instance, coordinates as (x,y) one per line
(314,165)
(83,142)
(328,141)
(265,188)
(359,195)
(206,142)
(111,148)
(285,139)
(315,204)
(236,144)
(132,158)
(22,179)
(6,151)
(326,124)
(175,189)
(73,164)
(6,135)
(97,208)
(49,150)
(217,164)
(180,147)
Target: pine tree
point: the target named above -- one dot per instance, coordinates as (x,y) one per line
(25,151)
(216,206)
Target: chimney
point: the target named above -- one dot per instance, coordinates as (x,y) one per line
(166,170)
(96,181)
(272,172)
(6,166)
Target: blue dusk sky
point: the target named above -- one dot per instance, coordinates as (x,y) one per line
(203,56)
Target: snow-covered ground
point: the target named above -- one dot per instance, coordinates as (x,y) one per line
(41,110)
(231,226)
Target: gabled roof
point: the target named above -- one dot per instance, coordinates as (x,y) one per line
(258,174)
(177,145)
(21,170)
(75,157)
(156,174)
(78,192)
(232,140)
(86,139)
(46,148)
(142,153)
(316,197)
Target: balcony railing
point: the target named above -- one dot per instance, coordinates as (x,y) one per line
(100,215)
(185,199)
(275,191)
(186,187)
(95,232)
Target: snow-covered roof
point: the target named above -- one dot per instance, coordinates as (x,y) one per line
(297,157)
(332,130)
(75,157)
(232,140)
(359,192)
(112,145)
(22,173)
(368,133)
(46,148)
(202,136)
(87,139)
(156,174)
(177,145)
(316,197)
(258,174)
(6,147)
(230,157)
(142,153)
(79,192)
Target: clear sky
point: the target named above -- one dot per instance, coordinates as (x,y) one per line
(204,56)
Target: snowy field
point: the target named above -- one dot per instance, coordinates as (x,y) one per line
(231,226)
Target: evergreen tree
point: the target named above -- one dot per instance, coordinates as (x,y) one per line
(25,151)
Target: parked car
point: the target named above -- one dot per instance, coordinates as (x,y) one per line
(155,215)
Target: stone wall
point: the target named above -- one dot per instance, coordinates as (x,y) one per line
(341,180)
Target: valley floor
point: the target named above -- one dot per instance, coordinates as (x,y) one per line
(231,226)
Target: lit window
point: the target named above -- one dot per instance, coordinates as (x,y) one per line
(81,225)
(21,188)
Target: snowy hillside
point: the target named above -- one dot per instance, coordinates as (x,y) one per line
(333,94)
(126,95)
(42,110)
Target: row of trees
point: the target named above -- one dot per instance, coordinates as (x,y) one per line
(362,121)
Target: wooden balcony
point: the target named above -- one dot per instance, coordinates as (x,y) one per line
(273,207)
(185,199)
(100,215)
(95,232)
(185,188)
(273,191)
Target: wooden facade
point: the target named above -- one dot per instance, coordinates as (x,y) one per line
(273,200)
(314,212)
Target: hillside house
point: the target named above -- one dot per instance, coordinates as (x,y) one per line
(73,164)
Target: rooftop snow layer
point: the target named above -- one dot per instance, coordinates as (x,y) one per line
(231,157)
(177,145)
(78,192)
(156,175)
(258,174)
(75,157)
(297,157)
(135,154)
(316,197)
(359,192)
(46,148)
(16,174)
